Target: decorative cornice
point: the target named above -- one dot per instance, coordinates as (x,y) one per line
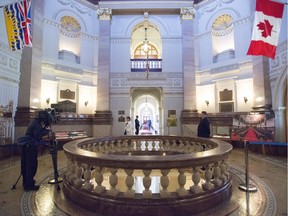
(83,7)
(151,4)
(209,6)
(225,68)
(242,21)
(120,40)
(9,79)
(176,39)
(58,25)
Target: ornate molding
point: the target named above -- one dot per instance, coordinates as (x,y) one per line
(120,40)
(212,5)
(58,25)
(104,13)
(3,59)
(81,6)
(178,40)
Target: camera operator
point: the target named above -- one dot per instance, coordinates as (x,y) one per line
(37,129)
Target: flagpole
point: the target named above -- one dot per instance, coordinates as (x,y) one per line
(1,6)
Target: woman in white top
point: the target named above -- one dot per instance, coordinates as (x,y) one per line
(128,126)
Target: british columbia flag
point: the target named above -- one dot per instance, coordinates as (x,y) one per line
(18,24)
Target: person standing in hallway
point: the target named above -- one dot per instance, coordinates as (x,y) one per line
(204,126)
(128,126)
(137,125)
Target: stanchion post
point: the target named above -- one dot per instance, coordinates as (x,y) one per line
(246,186)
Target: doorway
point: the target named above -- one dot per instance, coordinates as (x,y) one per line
(146,103)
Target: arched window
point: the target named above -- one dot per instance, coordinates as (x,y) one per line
(223,38)
(141,51)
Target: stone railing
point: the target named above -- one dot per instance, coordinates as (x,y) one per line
(141,175)
(140,65)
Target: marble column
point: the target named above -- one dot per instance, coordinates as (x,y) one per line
(261,84)
(280,125)
(189,83)
(103,116)
(29,96)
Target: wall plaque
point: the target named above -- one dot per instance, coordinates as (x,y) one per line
(67,94)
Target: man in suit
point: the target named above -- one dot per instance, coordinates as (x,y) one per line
(204,126)
(137,125)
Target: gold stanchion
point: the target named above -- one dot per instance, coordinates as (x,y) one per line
(246,186)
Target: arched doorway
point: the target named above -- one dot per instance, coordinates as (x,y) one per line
(146,103)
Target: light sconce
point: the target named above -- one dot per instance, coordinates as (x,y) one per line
(47,101)
(245,99)
(207,102)
(86,103)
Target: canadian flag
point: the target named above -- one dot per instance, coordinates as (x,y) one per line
(266,28)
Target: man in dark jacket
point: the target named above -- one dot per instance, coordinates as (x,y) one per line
(204,126)
(137,125)
(36,130)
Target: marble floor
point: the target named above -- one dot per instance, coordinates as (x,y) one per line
(269,174)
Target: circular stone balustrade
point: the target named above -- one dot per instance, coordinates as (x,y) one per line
(147,175)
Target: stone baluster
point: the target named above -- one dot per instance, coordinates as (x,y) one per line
(78,173)
(181,147)
(138,145)
(112,148)
(164,183)
(196,179)
(174,146)
(224,171)
(208,176)
(153,145)
(98,179)
(90,147)
(147,183)
(146,145)
(68,173)
(119,144)
(161,147)
(106,147)
(129,183)
(95,147)
(113,180)
(125,145)
(216,172)
(72,176)
(167,145)
(87,178)
(181,181)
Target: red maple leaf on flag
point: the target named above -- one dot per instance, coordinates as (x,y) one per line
(265,27)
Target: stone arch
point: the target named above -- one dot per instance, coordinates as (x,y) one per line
(162,27)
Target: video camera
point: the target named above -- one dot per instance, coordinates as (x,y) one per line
(48,116)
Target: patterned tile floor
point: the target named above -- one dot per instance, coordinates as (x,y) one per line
(268,174)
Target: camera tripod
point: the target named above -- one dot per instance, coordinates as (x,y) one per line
(53,147)
(53,151)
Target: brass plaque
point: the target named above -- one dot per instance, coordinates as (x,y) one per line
(67,94)
(226,95)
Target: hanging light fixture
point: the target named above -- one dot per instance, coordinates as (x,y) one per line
(146,50)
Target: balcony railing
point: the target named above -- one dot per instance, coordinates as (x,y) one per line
(139,65)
